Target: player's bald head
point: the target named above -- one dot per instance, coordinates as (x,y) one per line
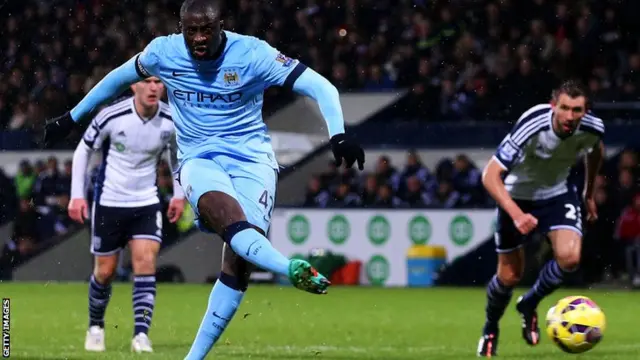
(205,8)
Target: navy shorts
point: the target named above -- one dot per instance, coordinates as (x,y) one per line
(560,212)
(113,227)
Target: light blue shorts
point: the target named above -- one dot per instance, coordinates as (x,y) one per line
(252,184)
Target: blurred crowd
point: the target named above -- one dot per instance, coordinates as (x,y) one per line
(461,59)
(452,184)
(36,200)
(616,233)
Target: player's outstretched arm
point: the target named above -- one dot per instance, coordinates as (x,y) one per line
(593,162)
(113,84)
(137,68)
(317,87)
(277,69)
(110,86)
(492,181)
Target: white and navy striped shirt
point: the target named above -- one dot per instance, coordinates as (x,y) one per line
(131,149)
(538,162)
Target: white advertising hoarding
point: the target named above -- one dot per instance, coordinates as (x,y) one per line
(380,239)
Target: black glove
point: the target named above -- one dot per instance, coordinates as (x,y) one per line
(57,129)
(348,150)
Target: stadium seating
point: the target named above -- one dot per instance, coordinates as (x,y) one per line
(457,64)
(34,205)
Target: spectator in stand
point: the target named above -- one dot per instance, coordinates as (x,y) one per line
(467,180)
(624,189)
(25,180)
(344,198)
(25,238)
(602,229)
(370,191)
(330,179)
(386,199)
(64,180)
(628,160)
(415,167)
(628,233)
(40,167)
(415,196)
(446,197)
(317,196)
(23,241)
(47,186)
(386,173)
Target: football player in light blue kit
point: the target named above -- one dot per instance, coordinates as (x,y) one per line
(215,81)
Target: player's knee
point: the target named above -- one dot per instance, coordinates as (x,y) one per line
(509,276)
(569,260)
(144,263)
(104,274)
(219,210)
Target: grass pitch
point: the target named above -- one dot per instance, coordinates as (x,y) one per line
(48,321)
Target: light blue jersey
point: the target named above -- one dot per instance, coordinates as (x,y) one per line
(217,105)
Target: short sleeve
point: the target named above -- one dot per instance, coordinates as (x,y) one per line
(594,126)
(508,153)
(98,131)
(530,123)
(148,61)
(274,67)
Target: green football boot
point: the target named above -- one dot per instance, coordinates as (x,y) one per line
(304,277)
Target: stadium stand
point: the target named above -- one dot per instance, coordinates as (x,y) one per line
(459,64)
(453,184)
(38,209)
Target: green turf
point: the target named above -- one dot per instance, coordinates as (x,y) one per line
(49,322)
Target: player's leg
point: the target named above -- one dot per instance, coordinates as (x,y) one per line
(499,292)
(224,300)
(209,187)
(509,243)
(223,211)
(143,257)
(99,295)
(256,192)
(562,221)
(105,246)
(145,232)
(567,245)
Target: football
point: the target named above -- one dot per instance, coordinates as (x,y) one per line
(576,324)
